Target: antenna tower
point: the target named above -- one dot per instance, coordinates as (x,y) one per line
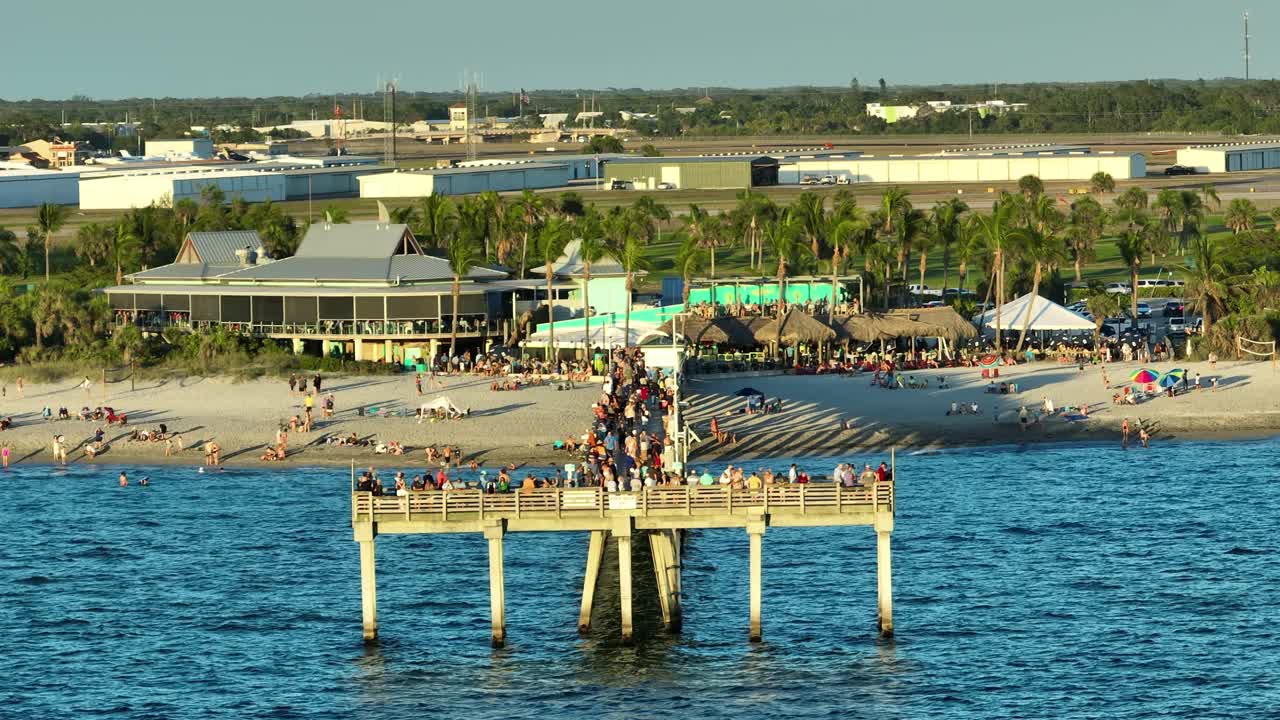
(389,115)
(473,92)
(1247,58)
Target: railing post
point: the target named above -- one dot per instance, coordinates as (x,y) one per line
(559,502)
(688,500)
(839,503)
(407,511)
(444,506)
(482,494)
(802,489)
(644,502)
(600,499)
(728,494)
(517,503)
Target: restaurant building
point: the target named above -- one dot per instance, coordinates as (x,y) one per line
(364,290)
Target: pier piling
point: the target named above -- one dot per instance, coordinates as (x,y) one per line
(368,583)
(497,593)
(622,533)
(755,533)
(595,556)
(884,573)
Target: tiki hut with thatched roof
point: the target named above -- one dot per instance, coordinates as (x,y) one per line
(945,322)
(793,328)
(695,329)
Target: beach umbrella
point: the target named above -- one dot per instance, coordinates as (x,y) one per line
(1170,379)
(1144,376)
(988,361)
(748,392)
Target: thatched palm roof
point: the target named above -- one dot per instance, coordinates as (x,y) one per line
(695,329)
(945,321)
(795,327)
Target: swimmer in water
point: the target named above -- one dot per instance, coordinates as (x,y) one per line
(124,480)
(144,482)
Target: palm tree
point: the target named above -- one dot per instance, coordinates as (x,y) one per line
(783,239)
(532,209)
(407,215)
(1102,305)
(1206,281)
(947,220)
(49,218)
(911,232)
(1102,182)
(1041,249)
(749,218)
(852,227)
(1135,198)
(894,203)
(435,221)
(1210,195)
(336,214)
(1143,237)
(698,224)
(1275,216)
(1085,226)
(650,212)
(9,251)
(93,242)
(125,248)
(1030,186)
(996,229)
(463,256)
(496,210)
(631,256)
(551,240)
(970,247)
(591,250)
(1241,215)
(811,212)
(689,259)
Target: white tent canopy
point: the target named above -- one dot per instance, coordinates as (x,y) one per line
(1045,315)
(602,334)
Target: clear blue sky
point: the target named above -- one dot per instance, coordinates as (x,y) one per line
(145,48)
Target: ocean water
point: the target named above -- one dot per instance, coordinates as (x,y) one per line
(1046,582)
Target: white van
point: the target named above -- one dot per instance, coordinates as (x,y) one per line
(1149,283)
(1118,288)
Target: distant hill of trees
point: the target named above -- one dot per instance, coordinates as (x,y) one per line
(1225,106)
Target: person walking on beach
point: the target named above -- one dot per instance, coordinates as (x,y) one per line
(21,385)
(417,381)
(293,383)
(1197,380)
(1124,433)
(1144,437)
(87,384)
(316,382)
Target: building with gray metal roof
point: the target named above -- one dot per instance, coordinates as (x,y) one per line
(365,290)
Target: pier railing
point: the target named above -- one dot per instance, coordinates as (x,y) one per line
(665,502)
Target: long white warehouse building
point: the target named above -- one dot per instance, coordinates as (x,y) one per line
(964,168)
(464,181)
(254,182)
(1231,157)
(28,187)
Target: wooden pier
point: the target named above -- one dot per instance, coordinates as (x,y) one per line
(665,512)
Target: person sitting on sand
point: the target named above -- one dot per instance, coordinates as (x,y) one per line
(269,455)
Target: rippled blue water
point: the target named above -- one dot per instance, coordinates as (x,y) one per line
(1055,582)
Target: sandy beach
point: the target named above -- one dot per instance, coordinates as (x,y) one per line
(1246,404)
(242,417)
(521,426)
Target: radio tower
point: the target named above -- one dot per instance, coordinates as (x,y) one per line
(1246,45)
(389,115)
(472,92)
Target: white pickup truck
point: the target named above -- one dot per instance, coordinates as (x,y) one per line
(924,290)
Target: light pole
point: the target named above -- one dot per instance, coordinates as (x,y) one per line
(680,445)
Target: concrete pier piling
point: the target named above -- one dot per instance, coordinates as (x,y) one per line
(755,533)
(884,573)
(595,556)
(622,533)
(497,591)
(368,584)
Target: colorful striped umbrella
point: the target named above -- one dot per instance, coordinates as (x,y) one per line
(1144,376)
(988,361)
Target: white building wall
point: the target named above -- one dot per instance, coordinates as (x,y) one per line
(21,189)
(1208,160)
(181,147)
(121,192)
(396,185)
(966,169)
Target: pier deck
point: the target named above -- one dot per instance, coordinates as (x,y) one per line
(664,512)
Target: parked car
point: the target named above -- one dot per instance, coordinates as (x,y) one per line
(809,180)
(843,180)
(1079,306)
(828,180)
(1179,170)
(619,185)
(1174,310)
(666,186)
(1177,327)
(1118,288)
(1144,310)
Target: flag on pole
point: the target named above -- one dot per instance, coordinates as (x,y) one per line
(524,97)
